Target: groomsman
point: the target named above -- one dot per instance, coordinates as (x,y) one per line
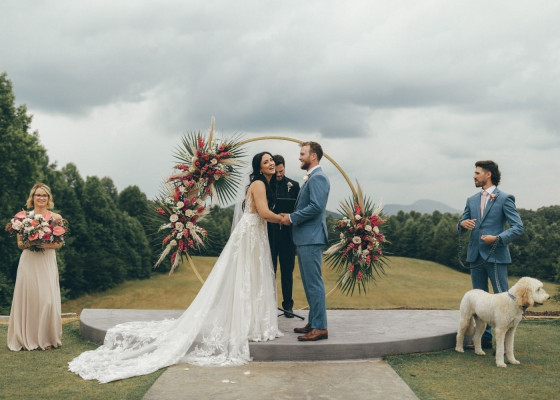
(485,215)
(281,243)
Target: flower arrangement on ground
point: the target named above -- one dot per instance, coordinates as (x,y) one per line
(358,254)
(37,229)
(206,170)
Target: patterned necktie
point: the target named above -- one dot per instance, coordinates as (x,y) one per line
(483,202)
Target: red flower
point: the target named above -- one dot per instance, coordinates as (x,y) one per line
(351,267)
(359,276)
(160,211)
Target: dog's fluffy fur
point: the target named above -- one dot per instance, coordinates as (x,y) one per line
(502,313)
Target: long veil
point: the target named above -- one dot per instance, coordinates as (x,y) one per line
(238,209)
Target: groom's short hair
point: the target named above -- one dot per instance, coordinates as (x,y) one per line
(492,167)
(314,147)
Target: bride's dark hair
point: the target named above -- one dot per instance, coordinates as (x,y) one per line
(256,175)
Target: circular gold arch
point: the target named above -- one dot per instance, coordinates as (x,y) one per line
(289,139)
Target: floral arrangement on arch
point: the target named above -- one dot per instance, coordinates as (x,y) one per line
(37,229)
(206,170)
(358,254)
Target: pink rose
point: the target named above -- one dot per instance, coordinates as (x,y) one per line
(59,230)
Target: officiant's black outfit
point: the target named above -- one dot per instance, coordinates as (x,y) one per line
(281,245)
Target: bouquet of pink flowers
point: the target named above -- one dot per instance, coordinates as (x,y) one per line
(37,229)
(206,170)
(358,255)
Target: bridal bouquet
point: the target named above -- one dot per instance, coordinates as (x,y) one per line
(37,229)
(206,170)
(358,255)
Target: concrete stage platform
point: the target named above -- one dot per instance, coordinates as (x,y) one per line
(353,334)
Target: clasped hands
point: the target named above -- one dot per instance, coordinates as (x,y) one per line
(285,219)
(470,224)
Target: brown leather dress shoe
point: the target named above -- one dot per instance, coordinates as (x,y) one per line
(315,334)
(306,329)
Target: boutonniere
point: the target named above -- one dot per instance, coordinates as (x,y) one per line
(305,178)
(493,196)
(289,185)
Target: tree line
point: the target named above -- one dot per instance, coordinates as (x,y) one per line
(434,237)
(107,243)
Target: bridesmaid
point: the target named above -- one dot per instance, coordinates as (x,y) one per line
(35,317)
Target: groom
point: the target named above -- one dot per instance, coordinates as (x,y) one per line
(309,231)
(485,215)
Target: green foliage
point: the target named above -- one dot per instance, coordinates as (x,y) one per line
(107,242)
(434,237)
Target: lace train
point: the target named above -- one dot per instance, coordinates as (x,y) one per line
(236,304)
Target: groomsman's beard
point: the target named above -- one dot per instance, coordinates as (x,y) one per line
(304,165)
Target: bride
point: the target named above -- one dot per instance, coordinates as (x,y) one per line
(236,304)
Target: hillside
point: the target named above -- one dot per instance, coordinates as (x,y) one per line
(409,283)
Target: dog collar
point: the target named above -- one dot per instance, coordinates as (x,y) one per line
(511,296)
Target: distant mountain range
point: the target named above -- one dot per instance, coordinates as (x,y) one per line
(423,206)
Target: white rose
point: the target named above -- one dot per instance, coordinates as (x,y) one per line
(189,213)
(342,235)
(358,217)
(214,161)
(190,225)
(180,204)
(179,226)
(356,240)
(174,218)
(365,252)
(376,230)
(368,228)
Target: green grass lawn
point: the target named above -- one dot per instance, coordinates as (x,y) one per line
(450,375)
(44,374)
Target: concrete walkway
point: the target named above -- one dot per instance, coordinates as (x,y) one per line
(346,366)
(348,380)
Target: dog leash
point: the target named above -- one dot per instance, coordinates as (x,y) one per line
(492,250)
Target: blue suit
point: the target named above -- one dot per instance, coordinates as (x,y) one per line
(309,232)
(500,208)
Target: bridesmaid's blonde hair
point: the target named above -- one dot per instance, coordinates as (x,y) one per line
(47,189)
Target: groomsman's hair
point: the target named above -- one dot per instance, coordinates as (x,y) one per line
(492,167)
(278,159)
(314,147)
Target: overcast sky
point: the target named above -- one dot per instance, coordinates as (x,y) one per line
(404,95)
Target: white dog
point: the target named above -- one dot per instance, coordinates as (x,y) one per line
(502,311)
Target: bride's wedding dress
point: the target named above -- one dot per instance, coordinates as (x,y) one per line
(236,304)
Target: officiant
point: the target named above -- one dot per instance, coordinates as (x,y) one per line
(280,237)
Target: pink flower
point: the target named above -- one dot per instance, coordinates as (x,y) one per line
(21,215)
(359,276)
(59,230)
(33,236)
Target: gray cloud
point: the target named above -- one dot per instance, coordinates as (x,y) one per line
(426,87)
